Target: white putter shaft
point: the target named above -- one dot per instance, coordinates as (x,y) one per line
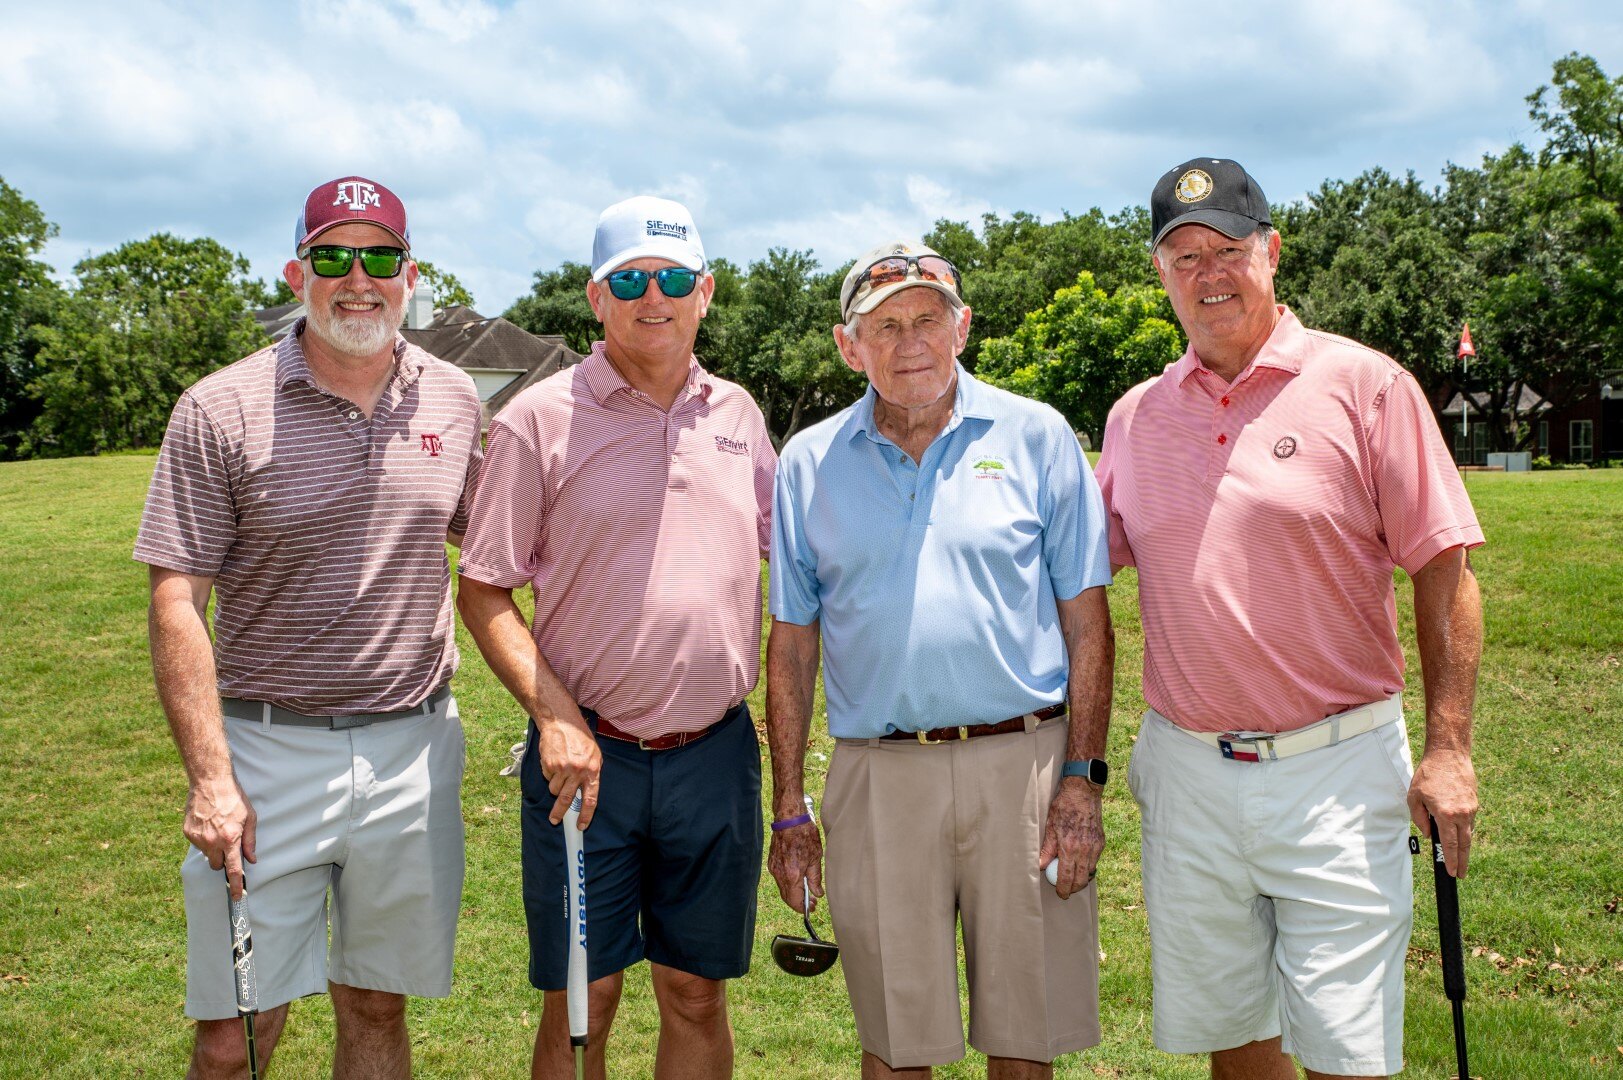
(575,913)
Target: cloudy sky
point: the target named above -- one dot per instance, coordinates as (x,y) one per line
(507,126)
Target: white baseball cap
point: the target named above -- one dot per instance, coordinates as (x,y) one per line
(645,227)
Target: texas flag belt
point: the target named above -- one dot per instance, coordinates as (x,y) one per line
(1271,746)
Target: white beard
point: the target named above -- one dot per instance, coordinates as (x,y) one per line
(357,336)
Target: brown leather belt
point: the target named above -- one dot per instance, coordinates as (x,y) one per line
(658,742)
(975,731)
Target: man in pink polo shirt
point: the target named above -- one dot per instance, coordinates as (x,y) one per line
(1265,486)
(633,495)
(311,487)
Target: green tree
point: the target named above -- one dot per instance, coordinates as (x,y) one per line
(1085,349)
(772,334)
(1017,264)
(27,296)
(146,321)
(1370,259)
(557,305)
(447,289)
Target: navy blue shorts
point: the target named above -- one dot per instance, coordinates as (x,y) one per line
(673,858)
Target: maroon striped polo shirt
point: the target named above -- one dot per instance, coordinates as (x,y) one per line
(324,532)
(641,532)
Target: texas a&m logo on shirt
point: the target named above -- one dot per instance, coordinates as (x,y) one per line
(432,446)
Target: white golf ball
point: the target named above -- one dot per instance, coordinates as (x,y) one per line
(1051,872)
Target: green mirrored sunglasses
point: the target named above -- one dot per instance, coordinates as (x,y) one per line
(333,260)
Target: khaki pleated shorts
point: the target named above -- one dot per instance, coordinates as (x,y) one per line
(923,837)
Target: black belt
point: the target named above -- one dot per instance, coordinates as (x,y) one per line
(244,709)
(975,731)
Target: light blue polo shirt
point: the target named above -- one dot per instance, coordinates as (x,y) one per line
(935,583)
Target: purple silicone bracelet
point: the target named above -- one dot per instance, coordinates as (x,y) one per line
(789,823)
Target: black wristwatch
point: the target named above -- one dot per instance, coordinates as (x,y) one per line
(1095,771)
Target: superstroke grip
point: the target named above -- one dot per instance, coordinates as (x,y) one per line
(242,955)
(575,914)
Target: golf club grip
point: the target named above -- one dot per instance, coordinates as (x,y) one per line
(242,954)
(1450,944)
(575,913)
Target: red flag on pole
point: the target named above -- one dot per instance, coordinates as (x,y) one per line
(1466,348)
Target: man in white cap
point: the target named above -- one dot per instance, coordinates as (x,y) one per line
(632,494)
(944,543)
(312,487)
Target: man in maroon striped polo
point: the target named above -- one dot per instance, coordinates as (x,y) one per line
(312,487)
(633,495)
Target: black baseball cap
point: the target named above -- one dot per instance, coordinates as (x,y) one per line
(1209,191)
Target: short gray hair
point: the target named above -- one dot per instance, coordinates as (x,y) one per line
(1262,232)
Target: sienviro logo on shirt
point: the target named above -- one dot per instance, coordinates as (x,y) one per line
(731,446)
(989,468)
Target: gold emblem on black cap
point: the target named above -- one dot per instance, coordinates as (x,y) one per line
(1193,186)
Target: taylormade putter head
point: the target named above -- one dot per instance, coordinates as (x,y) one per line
(810,955)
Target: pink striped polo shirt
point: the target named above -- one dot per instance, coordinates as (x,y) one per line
(641,533)
(324,533)
(1265,518)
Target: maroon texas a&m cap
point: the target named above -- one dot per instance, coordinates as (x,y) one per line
(354,198)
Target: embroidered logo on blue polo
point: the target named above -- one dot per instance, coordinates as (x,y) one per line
(989,468)
(731,446)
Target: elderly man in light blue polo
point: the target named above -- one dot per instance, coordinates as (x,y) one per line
(944,543)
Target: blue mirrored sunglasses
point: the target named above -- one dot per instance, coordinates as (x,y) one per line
(674,281)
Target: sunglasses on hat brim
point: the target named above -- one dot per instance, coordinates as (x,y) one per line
(810,955)
(674,281)
(898,268)
(335,260)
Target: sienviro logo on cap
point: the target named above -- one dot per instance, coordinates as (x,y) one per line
(666,228)
(357,195)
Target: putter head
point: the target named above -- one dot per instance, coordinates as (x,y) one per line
(809,955)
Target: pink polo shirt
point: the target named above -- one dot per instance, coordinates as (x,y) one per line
(1265,518)
(641,533)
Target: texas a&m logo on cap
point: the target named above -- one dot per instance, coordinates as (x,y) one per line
(347,200)
(357,195)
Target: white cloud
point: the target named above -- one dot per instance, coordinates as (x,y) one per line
(507,127)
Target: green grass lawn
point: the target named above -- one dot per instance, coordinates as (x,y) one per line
(92,926)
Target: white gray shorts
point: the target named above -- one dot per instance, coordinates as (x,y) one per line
(1280,896)
(370,816)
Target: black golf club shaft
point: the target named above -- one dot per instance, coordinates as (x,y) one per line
(1451,945)
(242,970)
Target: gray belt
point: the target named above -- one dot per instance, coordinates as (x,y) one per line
(243,709)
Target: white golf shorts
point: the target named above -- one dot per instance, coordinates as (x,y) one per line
(1280,896)
(371,816)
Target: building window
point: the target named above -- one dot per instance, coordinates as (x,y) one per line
(1581,439)
(1543,438)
